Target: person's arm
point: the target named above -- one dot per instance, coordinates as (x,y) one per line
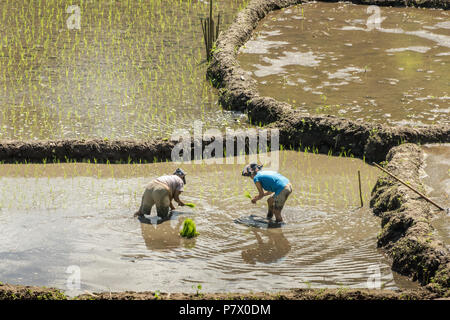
(176,196)
(172,207)
(261,193)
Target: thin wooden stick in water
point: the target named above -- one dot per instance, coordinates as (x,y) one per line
(360,192)
(404,183)
(217,27)
(211,29)
(212,37)
(204,31)
(210,9)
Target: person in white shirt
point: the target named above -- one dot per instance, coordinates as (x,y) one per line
(160,192)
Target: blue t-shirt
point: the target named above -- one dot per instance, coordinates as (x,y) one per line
(271,181)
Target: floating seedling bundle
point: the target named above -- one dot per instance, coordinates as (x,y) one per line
(189,229)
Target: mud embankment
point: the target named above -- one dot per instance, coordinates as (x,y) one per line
(320,134)
(95,150)
(438,4)
(17,292)
(407,234)
(368,141)
(327,134)
(132,151)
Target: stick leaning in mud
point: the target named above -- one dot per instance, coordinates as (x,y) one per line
(416,191)
(360,191)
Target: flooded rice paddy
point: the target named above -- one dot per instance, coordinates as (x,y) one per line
(53,216)
(133,69)
(437,183)
(386,65)
(137,70)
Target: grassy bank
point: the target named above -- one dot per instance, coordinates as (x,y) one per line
(17,292)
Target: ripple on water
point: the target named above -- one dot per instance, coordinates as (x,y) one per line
(67,217)
(436,177)
(372,68)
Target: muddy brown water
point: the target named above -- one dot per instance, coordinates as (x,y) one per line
(58,215)
(437,182)
(326,58)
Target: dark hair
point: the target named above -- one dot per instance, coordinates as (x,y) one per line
(251,168)
(255,166)
(179,172)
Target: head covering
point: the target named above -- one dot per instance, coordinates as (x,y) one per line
(251,168)
(181,174)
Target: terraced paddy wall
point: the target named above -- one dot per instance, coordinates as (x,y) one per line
(407,234)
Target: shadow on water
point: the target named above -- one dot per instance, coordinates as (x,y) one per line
(258,222)
(272,250)
(324,242)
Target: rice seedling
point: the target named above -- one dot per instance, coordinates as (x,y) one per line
(133,70)
(189,204)
(110,187)
(189,229)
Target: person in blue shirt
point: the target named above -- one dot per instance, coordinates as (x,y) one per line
(269,183)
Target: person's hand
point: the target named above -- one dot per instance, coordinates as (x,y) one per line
(181,204)
(254,200)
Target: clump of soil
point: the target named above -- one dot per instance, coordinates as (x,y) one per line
(15,292)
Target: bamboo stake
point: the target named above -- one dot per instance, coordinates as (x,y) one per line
(404,183)
(203,22)
(217,27)
(210,30)
(360,192)
(204,31)
(210,8)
